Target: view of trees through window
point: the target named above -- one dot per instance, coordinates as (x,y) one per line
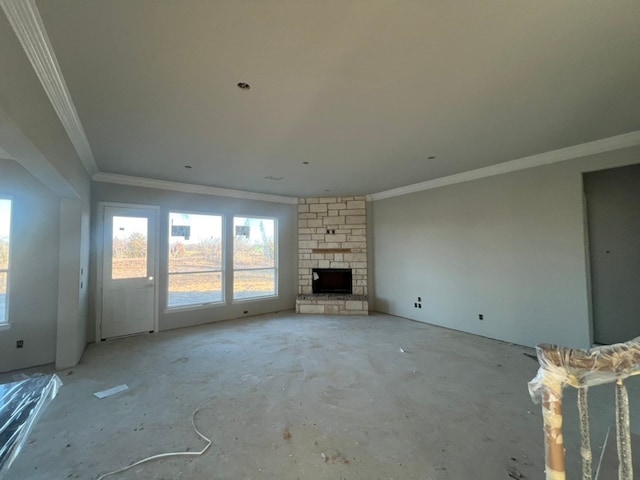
(5,233)
(254,257)
(129,247)
(195,259)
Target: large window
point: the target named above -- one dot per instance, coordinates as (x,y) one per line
(195,260)
(254,258)
(5,235)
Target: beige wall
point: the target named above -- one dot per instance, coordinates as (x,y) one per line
(510,247)
(33,296)
(195,203)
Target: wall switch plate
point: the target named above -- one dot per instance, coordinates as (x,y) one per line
(480,317)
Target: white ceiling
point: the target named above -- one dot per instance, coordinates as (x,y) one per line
(363,90)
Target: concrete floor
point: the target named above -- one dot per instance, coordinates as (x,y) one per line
(451,406)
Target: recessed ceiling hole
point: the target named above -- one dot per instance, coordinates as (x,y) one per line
(431,157)
(188,166)
(305,163)
(244,86)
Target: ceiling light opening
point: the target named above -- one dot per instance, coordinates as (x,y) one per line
(188,166)
(305,163)
(432,157)
(244,86)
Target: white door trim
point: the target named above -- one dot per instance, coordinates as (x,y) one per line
(99,245)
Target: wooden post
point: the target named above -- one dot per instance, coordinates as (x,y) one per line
(581,369)
(553,441)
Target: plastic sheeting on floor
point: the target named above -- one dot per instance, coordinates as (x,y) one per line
(21,404)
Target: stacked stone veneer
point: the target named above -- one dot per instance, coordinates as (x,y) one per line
(345,246)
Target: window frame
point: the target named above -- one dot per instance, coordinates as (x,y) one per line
(6,324)
(276,260)
(221,270)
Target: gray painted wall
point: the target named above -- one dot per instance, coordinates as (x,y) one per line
(613,203)
(73,282)
(510,247)
(25,103)
(33,135)
(195,203)
(33,284)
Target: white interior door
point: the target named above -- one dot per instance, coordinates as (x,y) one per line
(128,276)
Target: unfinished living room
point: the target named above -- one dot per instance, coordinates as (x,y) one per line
(361,239)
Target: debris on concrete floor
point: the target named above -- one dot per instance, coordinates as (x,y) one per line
(340,459)
(514,472)
(286,434)
(335,458)
(333,382)
(111,391)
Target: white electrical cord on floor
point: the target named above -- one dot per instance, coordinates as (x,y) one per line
(164,455)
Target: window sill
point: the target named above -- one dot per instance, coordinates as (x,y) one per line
(4,326)
(255,299)
(200,306)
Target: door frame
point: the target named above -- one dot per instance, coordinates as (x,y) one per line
(99,243)
(587,261)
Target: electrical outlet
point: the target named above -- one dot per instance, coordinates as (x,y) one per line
(20,344)
(419,305)
(419,299)
(480,317)
(245,312)
(415,305)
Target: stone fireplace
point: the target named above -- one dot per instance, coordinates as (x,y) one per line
(332,256)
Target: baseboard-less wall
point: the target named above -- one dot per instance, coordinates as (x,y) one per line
(510,247)
(33,295)
(197,203)
(73,281)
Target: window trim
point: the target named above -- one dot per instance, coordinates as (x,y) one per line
(6,324)
(276,261)
(221,271)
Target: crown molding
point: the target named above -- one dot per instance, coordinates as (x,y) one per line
(190,188)
(17,147)
(626,140)
(28,27)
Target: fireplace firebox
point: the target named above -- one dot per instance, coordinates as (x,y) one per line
(332,280)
